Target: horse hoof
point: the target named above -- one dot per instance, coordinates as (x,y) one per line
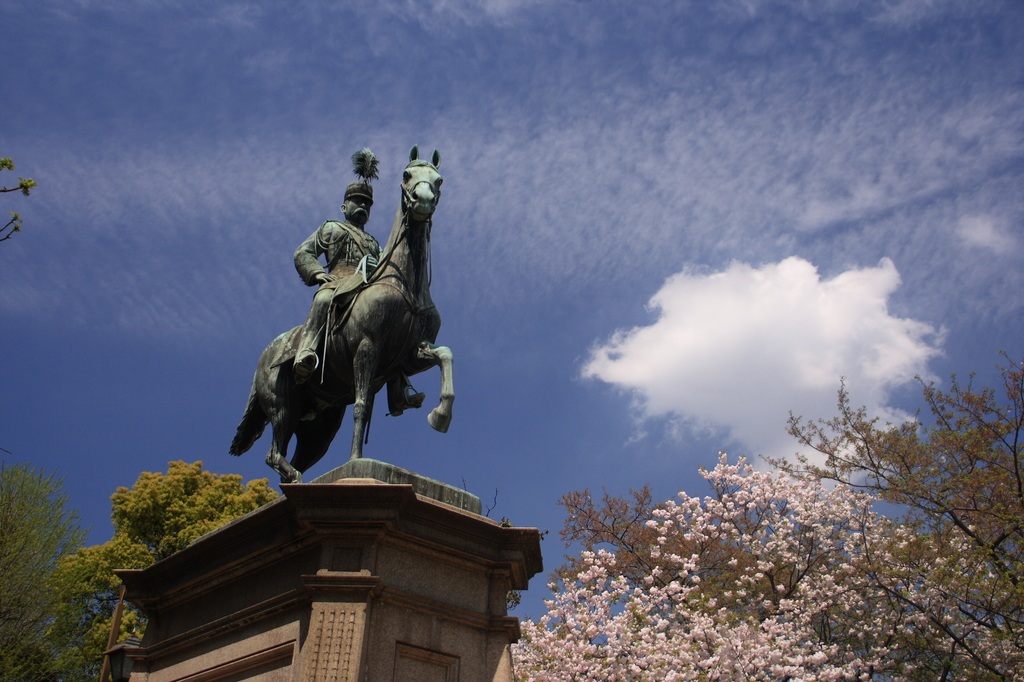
(438,420)
(294,477)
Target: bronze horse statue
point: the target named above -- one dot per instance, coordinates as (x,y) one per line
(388,327)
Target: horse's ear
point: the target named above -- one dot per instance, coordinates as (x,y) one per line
(435,160)
(414,153)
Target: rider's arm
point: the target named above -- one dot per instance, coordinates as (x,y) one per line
(307,261)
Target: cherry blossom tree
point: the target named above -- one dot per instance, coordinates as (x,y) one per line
(960,573)
(770,586)
(790,575)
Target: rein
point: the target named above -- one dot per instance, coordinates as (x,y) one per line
(379,272)
(380,275)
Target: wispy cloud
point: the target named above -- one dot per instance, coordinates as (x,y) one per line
(982,231)
(575,162)
(438,15)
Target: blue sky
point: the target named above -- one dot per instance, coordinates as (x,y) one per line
(664,224)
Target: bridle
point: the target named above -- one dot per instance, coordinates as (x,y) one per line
(387,270)
(407,203)
(407,192)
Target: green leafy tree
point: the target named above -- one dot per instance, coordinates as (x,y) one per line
(24,186)
(961,481)
(160,514)
(37,530)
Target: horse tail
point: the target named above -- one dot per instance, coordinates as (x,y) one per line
(251,427)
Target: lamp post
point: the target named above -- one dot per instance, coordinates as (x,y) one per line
(120,664)
(115,627)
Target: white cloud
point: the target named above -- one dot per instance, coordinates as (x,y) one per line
(740,349)
(982,231)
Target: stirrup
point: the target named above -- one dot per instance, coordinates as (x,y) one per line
(302,368)
(410,400)
(414,400)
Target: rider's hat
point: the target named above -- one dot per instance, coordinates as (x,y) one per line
(359,189)
(364,165)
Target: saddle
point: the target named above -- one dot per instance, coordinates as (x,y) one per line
(286,346)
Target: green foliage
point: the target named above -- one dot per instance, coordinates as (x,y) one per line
(25,186)
(166,512)
(37,530)
(159,515)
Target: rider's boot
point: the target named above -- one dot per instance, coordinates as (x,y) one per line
(402,396)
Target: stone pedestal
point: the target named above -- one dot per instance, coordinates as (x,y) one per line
(351,580)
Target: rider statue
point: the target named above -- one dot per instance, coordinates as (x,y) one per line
(352,255)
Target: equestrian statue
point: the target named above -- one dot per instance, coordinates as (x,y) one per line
(372,322)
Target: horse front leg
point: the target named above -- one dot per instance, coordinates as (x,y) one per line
(440,418)
(364,365)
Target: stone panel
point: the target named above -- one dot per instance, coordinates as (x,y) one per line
(424,665)
(435,576)
(334,643)
(358,581)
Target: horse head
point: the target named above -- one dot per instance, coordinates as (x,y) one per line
(421,185)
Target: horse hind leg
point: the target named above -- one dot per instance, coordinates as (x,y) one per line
(283,424)
(273,398)
(313,438)
(440,418)
(254,421)
(277,458)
